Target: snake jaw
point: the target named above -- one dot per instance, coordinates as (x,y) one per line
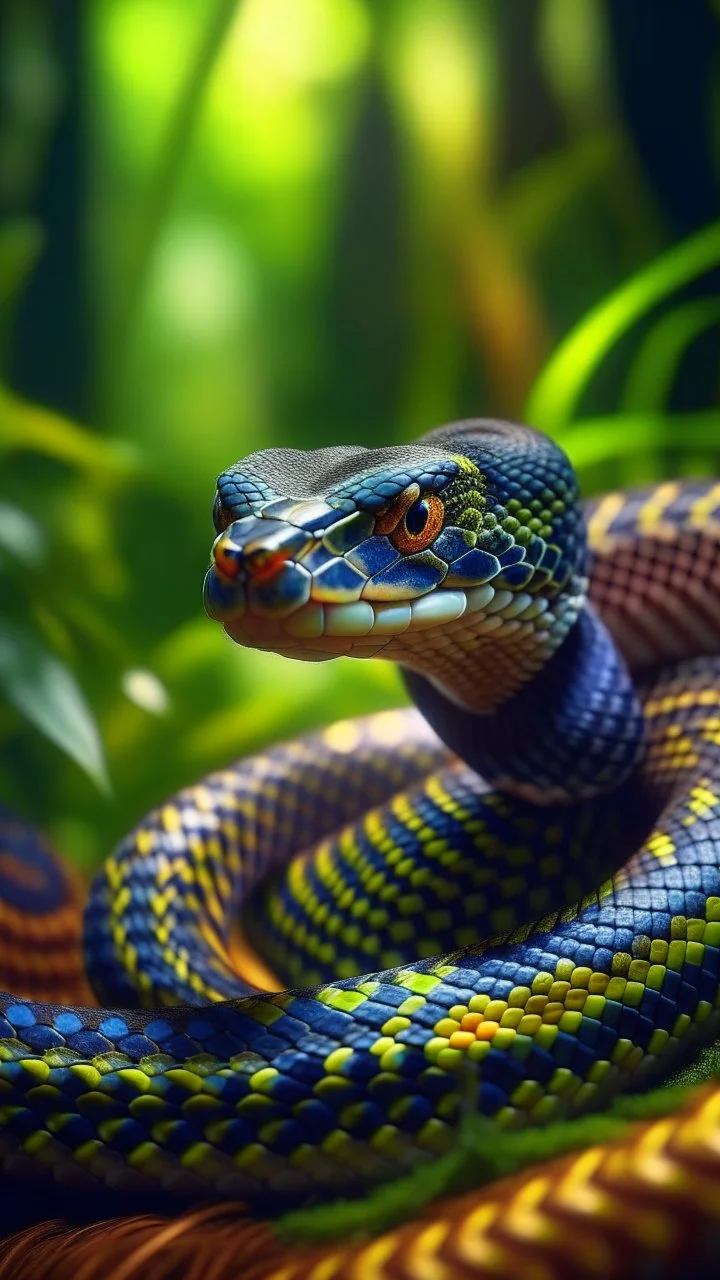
(318,592)
(343,590)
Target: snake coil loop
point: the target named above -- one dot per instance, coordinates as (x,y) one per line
(522,882)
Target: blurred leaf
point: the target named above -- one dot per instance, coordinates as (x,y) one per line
(31,427)
(652,376)
(52,629)
(554,400)
(21,537)
(44,691)
(81,613)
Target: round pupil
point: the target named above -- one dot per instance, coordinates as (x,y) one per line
(417,517)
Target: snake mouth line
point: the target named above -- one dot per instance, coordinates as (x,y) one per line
(322,631)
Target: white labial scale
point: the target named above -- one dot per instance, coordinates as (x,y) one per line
(308,623)
(391,619)
(356,619)
(478,598)
(435,609)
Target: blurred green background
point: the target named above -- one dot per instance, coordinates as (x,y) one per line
(233,225)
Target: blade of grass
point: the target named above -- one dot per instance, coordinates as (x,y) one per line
(554,399)
(606,439)
(651,378)
(481,1153)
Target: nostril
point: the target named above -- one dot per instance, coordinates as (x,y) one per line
(228,557)
(260,563)
(265,563)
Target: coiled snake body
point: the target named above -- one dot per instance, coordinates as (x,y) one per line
(526,944)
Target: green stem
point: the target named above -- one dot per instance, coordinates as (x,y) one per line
(163,185)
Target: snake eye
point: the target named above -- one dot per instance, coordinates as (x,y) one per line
(419,525)
(416,517)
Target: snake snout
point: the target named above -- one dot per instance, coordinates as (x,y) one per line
(257,547)
(258,564)
(227,556)
(254,561)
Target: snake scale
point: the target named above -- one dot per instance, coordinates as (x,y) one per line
(506,898)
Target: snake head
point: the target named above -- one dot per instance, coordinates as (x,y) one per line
(367,552)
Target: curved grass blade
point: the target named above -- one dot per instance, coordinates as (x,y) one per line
(482,1152)
(652,376)
(595,440)
(554,399)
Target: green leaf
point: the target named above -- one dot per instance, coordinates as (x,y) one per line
(553,401)
(21,537)
(45,691)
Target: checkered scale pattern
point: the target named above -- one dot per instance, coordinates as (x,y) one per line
(646,1204)
(334,1087)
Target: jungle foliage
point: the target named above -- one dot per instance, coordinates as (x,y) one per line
(259,222)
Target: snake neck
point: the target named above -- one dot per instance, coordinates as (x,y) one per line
(482,660)
(572,731)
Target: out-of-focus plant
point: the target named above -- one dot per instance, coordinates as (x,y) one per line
(58,564)
(71,638)
(309,221)
(643,424)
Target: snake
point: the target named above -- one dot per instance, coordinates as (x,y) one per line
(504,898)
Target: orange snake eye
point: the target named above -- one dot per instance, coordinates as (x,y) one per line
(413,521)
